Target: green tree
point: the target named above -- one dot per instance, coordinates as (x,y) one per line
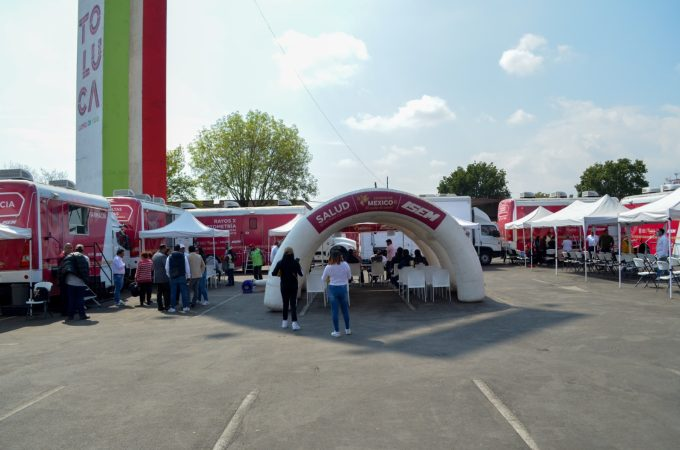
(479,179)
(252,158)
(617,178)
(180,186)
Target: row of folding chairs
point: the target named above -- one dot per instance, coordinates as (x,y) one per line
(315,285)
(658,272)
(422,279)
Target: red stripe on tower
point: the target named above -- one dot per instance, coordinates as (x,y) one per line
(154,42)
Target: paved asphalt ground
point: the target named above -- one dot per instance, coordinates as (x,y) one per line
(573,365)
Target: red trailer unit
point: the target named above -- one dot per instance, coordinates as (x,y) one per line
(512,209)
(247,226)
(139,213)
(55,216)
(646,233)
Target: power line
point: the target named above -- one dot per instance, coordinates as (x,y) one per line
(311,96)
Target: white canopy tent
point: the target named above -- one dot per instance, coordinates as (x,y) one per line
(663,210)
(284,229)
(579,214)
(525,222)
(185,226)
(8,232)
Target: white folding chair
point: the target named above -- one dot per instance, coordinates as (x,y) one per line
(211,270)
(643,272)
(416,280)
(403,278)
(316,286)
(355,269)
(377,271)
(441,279)
(41,296)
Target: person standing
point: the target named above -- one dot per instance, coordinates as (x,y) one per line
(76,267)
(144,279)
(229,263)
(203,283)
(606,242)
(258,261)
(591,241)
(288,269)
(661,248)
(118,276)
(272,255)
(337,274)
(197,266)
(160,278)
(177,268)
(63,290)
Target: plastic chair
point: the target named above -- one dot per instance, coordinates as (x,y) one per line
(315,286)
(441,279)
(211,270)
(355,269)
(41,296)
(416,280)
(403,277)
(377,271)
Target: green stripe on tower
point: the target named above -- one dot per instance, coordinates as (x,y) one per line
(115,130)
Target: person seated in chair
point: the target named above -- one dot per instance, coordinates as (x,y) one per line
(418,258)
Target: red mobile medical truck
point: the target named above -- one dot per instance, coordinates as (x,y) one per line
(54,215)
(512,209)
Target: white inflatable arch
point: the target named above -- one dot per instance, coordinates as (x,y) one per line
(439,236)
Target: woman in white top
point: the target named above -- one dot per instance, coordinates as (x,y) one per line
(337,274)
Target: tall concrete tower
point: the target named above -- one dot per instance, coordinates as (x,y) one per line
(121,98)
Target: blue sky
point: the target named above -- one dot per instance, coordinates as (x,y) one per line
(542,89)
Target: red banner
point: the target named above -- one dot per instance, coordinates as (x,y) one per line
(378,201)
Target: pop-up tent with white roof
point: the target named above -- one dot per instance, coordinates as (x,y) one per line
(603,212)
(284,229)
(664,210)
(8,232)
(525,222)
(185,226)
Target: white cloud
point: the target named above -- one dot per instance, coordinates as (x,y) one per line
(565,53)
(486,118)
(395,154)
(520,117)
(585,133)
(437,163)
(426,111)
(523,59)
(327,59)
(347,163)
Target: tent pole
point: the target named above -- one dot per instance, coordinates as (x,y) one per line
(531,239)
(670,269)
(555,250)
(524,242)
(585,260)
(30,270)
(618,224)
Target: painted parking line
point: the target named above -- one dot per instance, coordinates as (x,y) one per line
(677,372)
(235,423)
(32,402)
(218,305)
(506,413)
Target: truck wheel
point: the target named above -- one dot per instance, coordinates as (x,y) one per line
(485,258)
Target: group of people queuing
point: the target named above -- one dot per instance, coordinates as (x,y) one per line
(175,274)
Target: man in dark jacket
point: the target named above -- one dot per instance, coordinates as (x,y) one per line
(177,269)
(76,271)
(160,278)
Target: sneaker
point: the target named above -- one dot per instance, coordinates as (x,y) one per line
(204,303)
(348,331)
(185,310)
(284,324)
(295,326)
(335,334)
(172,310)
(120,304)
